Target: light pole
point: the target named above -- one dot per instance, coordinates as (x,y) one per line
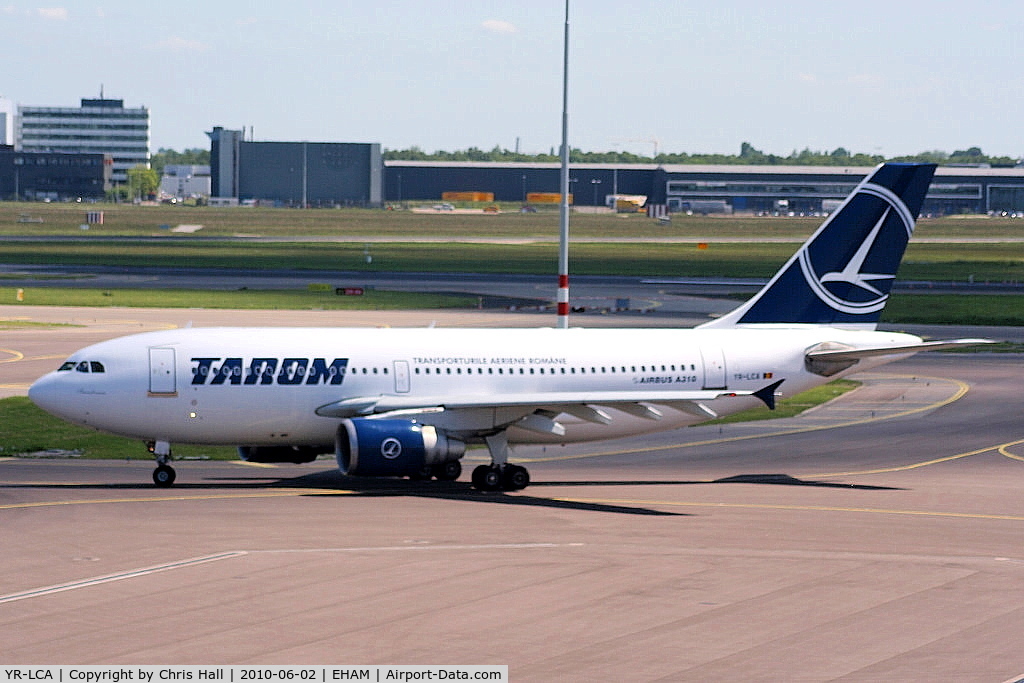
(563,222)
(595,182)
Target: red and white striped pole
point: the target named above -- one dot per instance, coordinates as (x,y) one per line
(563,301)
(563,238)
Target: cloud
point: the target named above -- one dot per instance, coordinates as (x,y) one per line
(499,26)
(53,13)
(179,44)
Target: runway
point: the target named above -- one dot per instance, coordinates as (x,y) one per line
(877,538)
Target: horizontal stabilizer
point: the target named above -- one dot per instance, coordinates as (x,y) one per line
(854,353)
(831,358)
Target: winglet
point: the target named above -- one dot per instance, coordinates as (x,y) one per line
(767,394)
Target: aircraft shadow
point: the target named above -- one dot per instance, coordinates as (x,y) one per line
(454,490)
(331,480)
(769,479)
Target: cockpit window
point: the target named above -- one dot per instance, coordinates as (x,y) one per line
(82,366)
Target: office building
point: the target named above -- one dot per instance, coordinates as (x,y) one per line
(99,126)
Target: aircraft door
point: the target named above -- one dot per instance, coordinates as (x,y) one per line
(714,367)
(402,376)
(162,379)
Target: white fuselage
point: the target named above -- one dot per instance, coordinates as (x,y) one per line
(262,386)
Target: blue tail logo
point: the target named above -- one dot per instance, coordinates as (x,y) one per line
(843,274)
(859,296)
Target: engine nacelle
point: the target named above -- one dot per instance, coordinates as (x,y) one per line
(295,454)
(386,448)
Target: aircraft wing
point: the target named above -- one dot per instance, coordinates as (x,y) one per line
(585,405)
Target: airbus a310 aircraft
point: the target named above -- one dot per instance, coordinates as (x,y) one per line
(406,402)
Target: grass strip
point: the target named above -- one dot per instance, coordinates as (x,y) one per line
(1003,262)
(794,405)
(24,428)
(126,219)
(955,309)
(236,299)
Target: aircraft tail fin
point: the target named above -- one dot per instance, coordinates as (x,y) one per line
(843,273)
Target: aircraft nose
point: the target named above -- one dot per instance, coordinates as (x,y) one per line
(45,393)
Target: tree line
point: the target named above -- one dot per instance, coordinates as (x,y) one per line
(748,155)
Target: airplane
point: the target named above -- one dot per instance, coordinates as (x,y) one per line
(407,402)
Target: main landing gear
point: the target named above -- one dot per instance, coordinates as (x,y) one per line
(446,471)
(164,474)
(499,475)
(500,478)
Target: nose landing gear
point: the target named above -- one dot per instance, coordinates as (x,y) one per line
(164,474)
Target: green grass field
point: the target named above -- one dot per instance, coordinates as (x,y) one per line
(977,261)
(237,299)
(127,219)
(794,405)
(24,428)
(1001,262)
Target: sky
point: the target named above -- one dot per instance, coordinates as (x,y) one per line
(890,78)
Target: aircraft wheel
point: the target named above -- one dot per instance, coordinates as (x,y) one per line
(163,476)
(448,471)
(515,478)
(487,478)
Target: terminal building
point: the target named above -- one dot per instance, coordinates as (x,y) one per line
(699,188)
(99,126)
(317,174)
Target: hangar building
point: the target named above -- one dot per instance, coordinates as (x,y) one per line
(295,173)
(699,188)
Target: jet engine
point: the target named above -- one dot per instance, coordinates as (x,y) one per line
(382,448)
(295,454)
